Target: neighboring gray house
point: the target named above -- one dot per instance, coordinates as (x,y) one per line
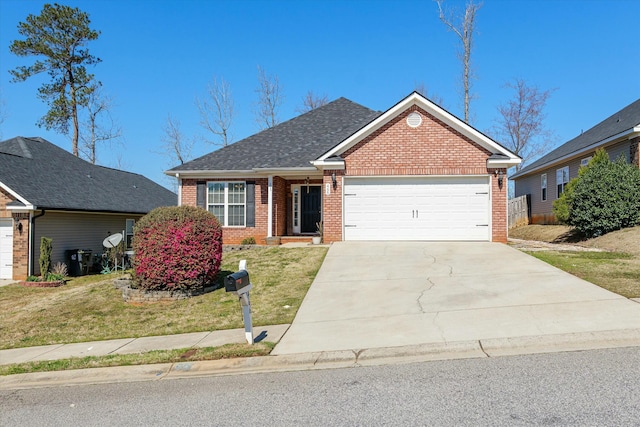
(545,179)
(47,191)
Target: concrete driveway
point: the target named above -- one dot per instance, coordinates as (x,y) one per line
(387,294)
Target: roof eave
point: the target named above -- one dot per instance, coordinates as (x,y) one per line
(28,205)
(245,173)
(627,134)
(502,163)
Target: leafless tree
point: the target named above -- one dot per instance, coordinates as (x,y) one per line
(520,126)
(270,98)
(311,101)
(99,125)
(424,91)
(176,147)
(216,111)
(464,27)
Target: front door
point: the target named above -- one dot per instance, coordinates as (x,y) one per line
(311,207)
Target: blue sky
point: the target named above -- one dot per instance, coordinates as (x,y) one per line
(159,55)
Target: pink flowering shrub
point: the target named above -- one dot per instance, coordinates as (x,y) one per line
(177,248)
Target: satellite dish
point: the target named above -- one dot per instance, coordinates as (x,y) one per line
(112,241)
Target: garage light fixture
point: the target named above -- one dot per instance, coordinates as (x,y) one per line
(334,181)
(500,176)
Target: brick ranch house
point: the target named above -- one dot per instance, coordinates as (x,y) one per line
(544,180)
(47,191)
(413,172)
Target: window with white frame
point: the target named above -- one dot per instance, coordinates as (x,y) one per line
(129,232)
(543,186)
(562,179)
(227,201)
(585,161)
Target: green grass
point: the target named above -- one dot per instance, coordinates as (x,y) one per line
(90,308)
(615,271)
(159,356)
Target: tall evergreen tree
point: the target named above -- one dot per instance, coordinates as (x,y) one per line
(58,37)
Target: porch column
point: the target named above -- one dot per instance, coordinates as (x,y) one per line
(270,207)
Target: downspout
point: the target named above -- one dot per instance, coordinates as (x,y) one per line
(32,237)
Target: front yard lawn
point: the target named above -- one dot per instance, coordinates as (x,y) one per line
(617,269)
(614,271)
(90,308)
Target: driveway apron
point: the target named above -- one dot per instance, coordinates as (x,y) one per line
(387,294)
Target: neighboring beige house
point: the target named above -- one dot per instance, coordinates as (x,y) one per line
(544,180)
(413,172)
(47,191)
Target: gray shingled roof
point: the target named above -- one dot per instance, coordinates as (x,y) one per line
(291,144)
(51,178)
(623,120)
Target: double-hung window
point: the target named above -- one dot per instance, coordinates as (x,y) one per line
(562,179)
(543,186)
(227,201)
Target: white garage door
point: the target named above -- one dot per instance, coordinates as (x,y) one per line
(6,248)
(443,208)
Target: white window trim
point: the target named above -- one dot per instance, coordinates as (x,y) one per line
(562,180)
(544,185)
(226,202)
(585,161)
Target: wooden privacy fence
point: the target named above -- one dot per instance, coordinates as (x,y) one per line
(519,211)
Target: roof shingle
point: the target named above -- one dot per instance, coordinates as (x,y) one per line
(51,178)
(291,144)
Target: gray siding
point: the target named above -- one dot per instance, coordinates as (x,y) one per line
(75,231)
(542,211)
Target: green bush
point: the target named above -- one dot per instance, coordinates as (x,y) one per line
(249,241)
(177,248)
(46,248)
(605,196)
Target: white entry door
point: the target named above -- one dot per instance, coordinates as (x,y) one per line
(6,248)
(417,208)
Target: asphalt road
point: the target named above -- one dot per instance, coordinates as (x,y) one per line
(599,387)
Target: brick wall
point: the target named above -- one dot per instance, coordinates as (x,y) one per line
(433,148)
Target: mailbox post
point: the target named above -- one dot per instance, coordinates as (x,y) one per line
(239,284)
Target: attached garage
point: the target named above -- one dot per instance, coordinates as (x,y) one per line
(417,208)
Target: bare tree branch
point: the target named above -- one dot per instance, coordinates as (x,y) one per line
(424,91)
(176,147)
(217,111)
(99,125)
(520,126)
(270,99)
(311,101)
(464,27)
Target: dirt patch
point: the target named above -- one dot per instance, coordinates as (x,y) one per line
(560,237)
(534,245)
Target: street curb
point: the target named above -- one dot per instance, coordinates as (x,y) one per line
(493,347)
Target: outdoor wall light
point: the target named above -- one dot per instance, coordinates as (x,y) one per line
(500,176)
(19,226)
(334,181)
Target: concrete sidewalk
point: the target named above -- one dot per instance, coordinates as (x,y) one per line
(139,345)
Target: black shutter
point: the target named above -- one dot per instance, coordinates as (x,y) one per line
(251,203)
(201,194)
